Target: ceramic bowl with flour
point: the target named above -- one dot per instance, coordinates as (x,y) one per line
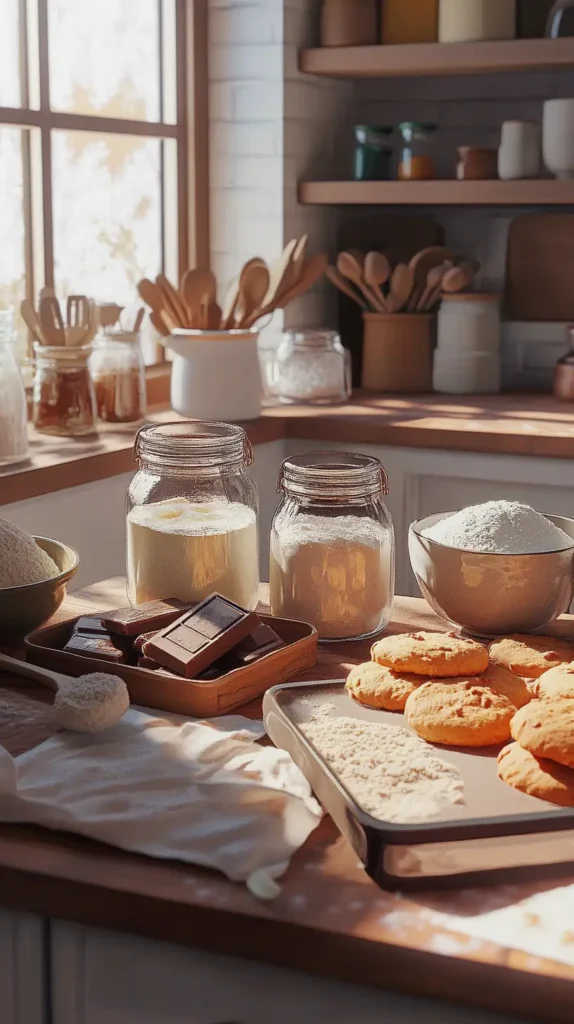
(496,568)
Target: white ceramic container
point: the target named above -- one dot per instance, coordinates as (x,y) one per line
(519,153)
(215,374)
(468,373)
(462,21)
(558,137)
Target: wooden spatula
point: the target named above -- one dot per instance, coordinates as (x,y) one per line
(53,327)
(32,321)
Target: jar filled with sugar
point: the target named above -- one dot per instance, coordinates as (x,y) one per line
(332,559)
(192,512)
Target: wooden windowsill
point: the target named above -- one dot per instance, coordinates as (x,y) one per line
(530,425)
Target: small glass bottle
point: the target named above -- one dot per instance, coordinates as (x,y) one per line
(310,367)
(192,511)
(13,412)
(332,560)
(64,402)
(416,163)
(117,370)
(373,154)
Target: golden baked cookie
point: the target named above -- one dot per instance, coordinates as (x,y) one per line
(536,776)
(510,685)
(530,656)
(461,714)
(431,654)
(557,683)
(546,729)
(380,687)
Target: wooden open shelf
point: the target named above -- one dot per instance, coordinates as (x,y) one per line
(438,58)
(541,192)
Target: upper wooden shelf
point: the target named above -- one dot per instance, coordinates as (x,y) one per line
(541,192)
(438,58)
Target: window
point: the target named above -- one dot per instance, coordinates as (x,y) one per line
(93,146)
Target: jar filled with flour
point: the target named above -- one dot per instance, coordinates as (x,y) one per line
(332,557)
(192,515)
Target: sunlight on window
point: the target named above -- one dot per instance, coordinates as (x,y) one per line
(9,59)
(107,213)
(12,265)
(104,57)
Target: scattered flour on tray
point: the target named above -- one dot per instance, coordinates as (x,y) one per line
(391,774)
(499,527)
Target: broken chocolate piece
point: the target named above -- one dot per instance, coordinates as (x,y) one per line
(263,640)
(201,636)
(145,617)
(143,639)
(102,647)
(91,625)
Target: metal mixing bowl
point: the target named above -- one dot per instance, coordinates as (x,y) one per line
(24,608)
(490,595)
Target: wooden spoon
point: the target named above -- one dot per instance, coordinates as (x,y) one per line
(313,270)
(457,278)
(52,321)
(348,267)
(253,286)
(151,294)
(433,286)
(173,300)
(199,291)
(377,272)
(32,321)
(402,283)
(343,285)
(421,264)
(279,277)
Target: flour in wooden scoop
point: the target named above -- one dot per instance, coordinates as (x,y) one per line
(390,773)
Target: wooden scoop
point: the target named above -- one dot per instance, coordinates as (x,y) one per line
(72,710)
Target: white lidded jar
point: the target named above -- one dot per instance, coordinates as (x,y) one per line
(469,20)
(192,515)
(332,559)
(13,411)
(520,150)
(469,322)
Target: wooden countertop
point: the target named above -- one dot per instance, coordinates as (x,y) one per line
(330,917)
(493,424)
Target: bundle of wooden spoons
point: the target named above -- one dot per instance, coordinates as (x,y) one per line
(416,287)
(48,325)
(259,290)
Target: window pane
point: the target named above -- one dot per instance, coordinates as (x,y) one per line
(104,57)
(9,55)
(107,213)
(12,261)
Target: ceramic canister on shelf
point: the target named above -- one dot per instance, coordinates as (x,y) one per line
(520,151)
(349,23)
(468,20)
(467,357)
(215,374)
(558,137)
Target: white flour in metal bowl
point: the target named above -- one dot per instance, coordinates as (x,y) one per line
(499,527)
(389,772)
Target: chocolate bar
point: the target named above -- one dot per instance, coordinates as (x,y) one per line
(154,666)
(91,625)
(144,618)
(102,647)
(201,636)
(143,639)
(263,640)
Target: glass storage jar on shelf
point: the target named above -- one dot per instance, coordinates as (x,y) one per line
(13,411)
(117,370)
(63,399)
(192,511)
(309,367)
(372,155)
(332,559)
(417,163)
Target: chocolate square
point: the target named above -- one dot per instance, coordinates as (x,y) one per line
(144,618)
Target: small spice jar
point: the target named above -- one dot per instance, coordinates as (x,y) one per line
(416,163)
(310,367)
(192,512)
(477,163)
(373,154)
(117,370)
(332,560)
(63,401)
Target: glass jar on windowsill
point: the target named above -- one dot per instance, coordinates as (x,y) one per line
(63,401)
(118,375)
(310,367)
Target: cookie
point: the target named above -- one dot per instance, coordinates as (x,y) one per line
(431,654)
(460,714)
(380,687)
(507,683)
(530,656)
(557,683)
(536,776)
(546,729)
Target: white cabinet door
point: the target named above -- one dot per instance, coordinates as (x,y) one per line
(23,999)
(102,977)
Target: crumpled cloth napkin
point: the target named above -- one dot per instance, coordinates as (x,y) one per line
(204,792)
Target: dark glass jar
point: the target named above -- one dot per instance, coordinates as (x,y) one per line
(373,154)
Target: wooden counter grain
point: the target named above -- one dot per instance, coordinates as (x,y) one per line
(494,424)
(330,918)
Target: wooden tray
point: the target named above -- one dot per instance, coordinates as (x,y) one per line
(197,697)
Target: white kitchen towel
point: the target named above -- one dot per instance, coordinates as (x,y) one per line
(204,792)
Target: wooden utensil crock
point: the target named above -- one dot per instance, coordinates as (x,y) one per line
(397,352)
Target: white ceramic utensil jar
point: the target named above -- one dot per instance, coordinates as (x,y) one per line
(215,374)
(192,515)
(519,153)
(332,560)
(467,20)
(469,322)
(558,137)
